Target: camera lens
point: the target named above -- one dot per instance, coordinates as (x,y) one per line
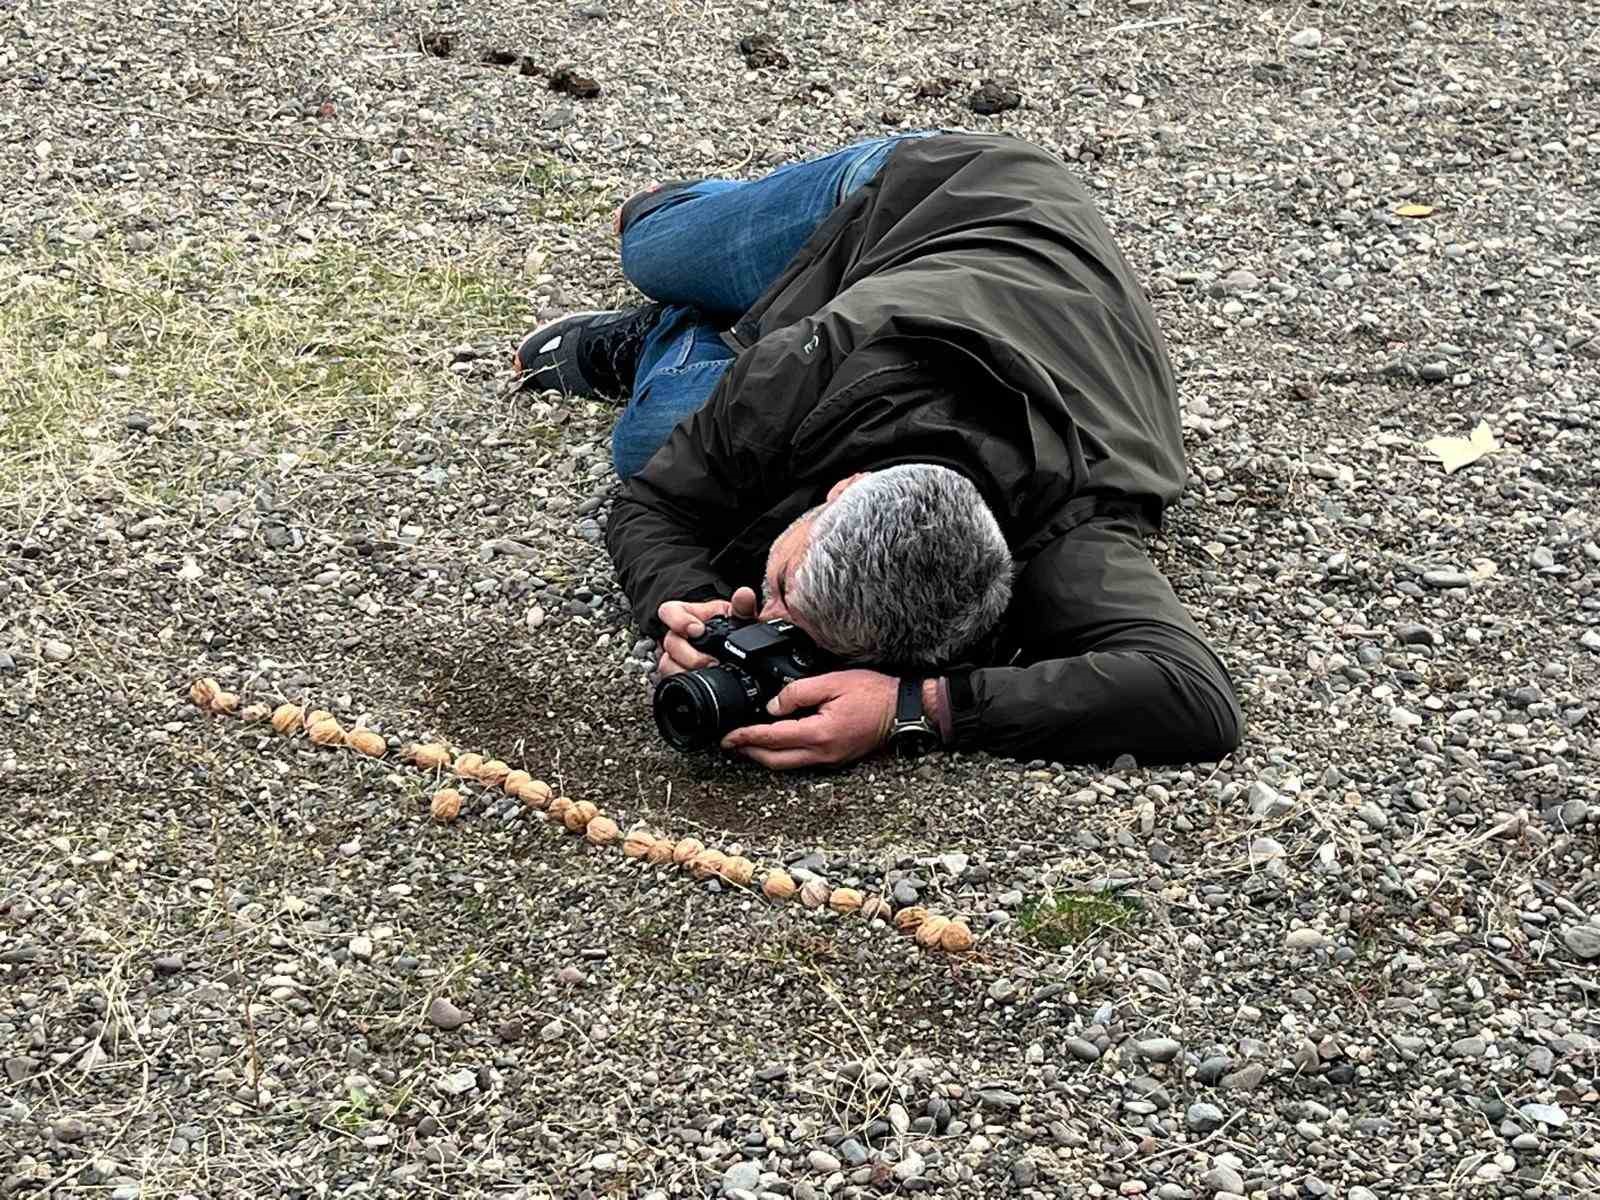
(693,710)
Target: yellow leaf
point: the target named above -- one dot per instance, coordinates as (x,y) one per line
(1414,210)
(1455,452)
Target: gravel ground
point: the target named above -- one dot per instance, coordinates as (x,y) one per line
(261,268)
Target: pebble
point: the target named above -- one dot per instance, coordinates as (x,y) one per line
(1373,816)
(1202,1117)
(1305,939)
(1306,39)
(1446,579)
(456,1083)
(69,1129)
(444,1015)
(1583,941)
(1161,1050)
(169,964)
(55,651)
(1223,1178)
(1552,1115)
(1024,1172)
(822,1162)
(1000,1098)
(1083,1050)
(745,1175)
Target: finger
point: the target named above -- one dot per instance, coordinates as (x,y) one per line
(780,735)
(665,666)
(744,602)
(675,615)
(685,655)
(809,692)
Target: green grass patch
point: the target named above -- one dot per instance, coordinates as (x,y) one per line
(272,338)
(1055,921)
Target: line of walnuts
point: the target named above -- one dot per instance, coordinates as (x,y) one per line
(931,931)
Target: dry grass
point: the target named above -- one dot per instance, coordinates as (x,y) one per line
(262,339)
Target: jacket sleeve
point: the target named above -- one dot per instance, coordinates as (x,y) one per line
(1115,664)
(719,469)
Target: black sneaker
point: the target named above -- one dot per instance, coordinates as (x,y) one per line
(588,353)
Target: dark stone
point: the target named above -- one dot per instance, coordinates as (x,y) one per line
(992,97)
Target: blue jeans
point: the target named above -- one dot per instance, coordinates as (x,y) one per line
(708,250)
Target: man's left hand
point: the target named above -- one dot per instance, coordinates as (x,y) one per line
(855,710)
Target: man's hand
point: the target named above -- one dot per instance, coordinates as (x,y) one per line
(685,619)
(855,710)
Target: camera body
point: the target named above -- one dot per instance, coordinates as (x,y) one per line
(755,661)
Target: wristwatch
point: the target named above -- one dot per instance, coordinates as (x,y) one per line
(912,733)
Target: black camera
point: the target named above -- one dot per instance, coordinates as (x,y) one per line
(756,661)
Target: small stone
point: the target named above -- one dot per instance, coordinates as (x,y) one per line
(1000,1098)
(909,1167)
(1002,991)
(852,1151)
(1540,1061)
(1583,941)
(456,1083)
(444,1015)
(1210,1072)
(1434,372)
(1246,1079)
(1469,1047)
(1552,1115)
(55,651)
(1373,816)
(1201,1117)
(69,1129)
(1306,39)
(822,1162)
(1415,635)
(1083,1050)
(1446,579)
(745,1175)
(1024,1172)
(1161,1050)
(1305,939)
(361,947)
(1223,1178)
(169,964)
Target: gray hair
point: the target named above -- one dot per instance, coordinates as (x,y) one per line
(907,567)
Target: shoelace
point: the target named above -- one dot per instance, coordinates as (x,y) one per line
(610,347)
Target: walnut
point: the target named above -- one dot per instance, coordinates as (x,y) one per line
(535,793)
(639,843)
(560,807)
(255,712)
(931,930)
(579,815)
(660,854)
(203,691)
(907,919)
(601,831)
(468,765)
(778,885)
(364,741)
(317,714)
(845,900)
(514,782)
(493,773)
(326,732)
(225,702)
(815,893)
(956,938)
(430,756)
(445,805)
(685,850)
(288,718)
(738,870)
(707,863)
(876,908)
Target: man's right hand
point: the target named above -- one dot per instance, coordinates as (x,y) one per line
(685,619)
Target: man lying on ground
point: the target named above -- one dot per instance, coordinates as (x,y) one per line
(912,392)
